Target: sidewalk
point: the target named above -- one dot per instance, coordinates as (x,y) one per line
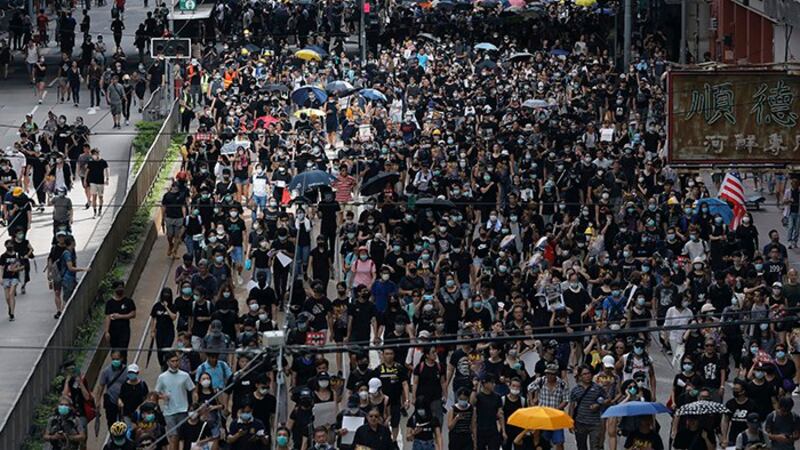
(34,312)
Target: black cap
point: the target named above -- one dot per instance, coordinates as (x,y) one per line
(786,403)
(753,418)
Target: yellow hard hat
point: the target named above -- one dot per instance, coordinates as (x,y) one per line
(589,231)
(672,201)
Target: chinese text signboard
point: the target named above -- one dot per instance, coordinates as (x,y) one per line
(746,118)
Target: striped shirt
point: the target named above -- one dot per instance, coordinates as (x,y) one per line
(343,185)
(551,397)
(584,414)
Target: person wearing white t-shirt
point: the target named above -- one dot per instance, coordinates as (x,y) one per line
(173,387)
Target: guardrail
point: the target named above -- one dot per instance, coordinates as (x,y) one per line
(16,426)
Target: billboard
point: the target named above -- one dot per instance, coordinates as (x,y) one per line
(737,117)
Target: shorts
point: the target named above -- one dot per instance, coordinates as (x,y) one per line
(172,422)
(96,189)
(10,282)
(237,255)
(243,181)
(394,410)
(116,109)
(173,226)
(554,437)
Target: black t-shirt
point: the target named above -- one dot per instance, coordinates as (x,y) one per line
(426,427)
(319,308)
(95,171)
(486,407)
(235,229)
(362,314)
(164,323)
(649,440)
(190,433)
(173,204)
(429,383)
(738,416)
(120,306)
(761,395)
(392,379)
(687,439)
(11,265)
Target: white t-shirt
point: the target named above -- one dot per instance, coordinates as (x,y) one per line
(176,386)
(260,183)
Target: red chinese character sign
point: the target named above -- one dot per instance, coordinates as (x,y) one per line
(735,117)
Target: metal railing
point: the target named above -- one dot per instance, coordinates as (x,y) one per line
(16,425)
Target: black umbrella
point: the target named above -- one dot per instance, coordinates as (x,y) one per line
(701,408)
(428,36)
(486,64)
(274,88)
(438,204)
(520,55)
(309,180)
(376,184)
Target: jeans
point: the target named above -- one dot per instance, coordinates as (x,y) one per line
(303,252)
(422,445)
(794,227)
(94,94)
(593,432)
(76,94)
(68,285)
(261,204)
(193,248)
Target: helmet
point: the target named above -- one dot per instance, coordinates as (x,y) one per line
(118,429)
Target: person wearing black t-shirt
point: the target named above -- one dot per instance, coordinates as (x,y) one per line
(424,428)
(96,178)
(735,421)
(119,312)
(645,436)
(11,265)
(164,315)
(173,215)
(490,424)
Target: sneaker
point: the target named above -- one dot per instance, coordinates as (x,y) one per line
(40,102)
(95,212)
(57,315)
(10,317)
(100,211)
(127,122)
(87,205)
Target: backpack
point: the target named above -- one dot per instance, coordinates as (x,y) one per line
(762,439)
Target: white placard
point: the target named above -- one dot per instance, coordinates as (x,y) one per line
(324,414)
(529,359)
(351,424)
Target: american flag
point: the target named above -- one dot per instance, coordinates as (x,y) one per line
(732,190)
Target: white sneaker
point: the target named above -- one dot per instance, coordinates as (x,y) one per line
(796,391)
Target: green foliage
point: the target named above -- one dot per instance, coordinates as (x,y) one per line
(146,135)
(87,333)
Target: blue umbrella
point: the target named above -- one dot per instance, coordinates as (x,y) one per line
(312,179)
(320,51)
(716,206)
(559,52)
(629,409)
(304,94)
(372,94)
(486,46)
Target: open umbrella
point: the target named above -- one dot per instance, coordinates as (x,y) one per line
(541,418)
(316,48)
(308,55)
(312,179)
(307,93)
(274,88)
(715,206)
(520,56)
(486,64)
(311,112)
(559,52)
(444,4)
(376,184)
(428,36)
(535,103)
(585,3)
(701,408)
(252,48)
(338,86)
(629,409)
(372,94)
(486,46)
(439,204)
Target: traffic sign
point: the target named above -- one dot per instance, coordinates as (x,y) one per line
(187,5)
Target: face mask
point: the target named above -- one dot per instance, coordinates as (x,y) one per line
(119,441)
(670,237)
(764,326)
(754,350)
(133,376)
(362,257)
(638,350)
(116,363)
(615,293)
(149,418)
(450,283)
(463,404)
(477,305)
(422,412)
(324,383)
(626,254)
(254,307)
(780,354)
(219,259)
(685,304)
(688,367)
(282,441)
(196,297)
(640,301)
(759,267)
(245,416)
(363,395)
(396,248)
(759,374)
(632,390)
(63,410)
(205,383)
(693,237)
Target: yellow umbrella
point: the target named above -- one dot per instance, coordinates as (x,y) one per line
(308,55)
(311,112)
(585,3)
(541,418)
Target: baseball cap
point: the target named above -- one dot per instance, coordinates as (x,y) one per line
(551,368)
(753,418)
(608,361)
(133,368)
(424,334)
(708,307)
(374,385)
(777,284)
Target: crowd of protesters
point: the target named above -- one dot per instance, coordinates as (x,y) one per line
(498,218)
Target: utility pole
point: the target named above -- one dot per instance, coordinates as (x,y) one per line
(626,44)
(362,32)
(682,49)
